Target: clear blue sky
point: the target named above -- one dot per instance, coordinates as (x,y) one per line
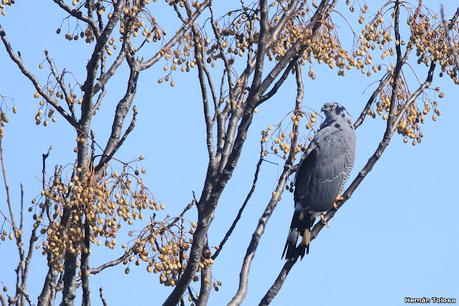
(396,237)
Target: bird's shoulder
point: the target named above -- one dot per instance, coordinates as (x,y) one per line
(334,134)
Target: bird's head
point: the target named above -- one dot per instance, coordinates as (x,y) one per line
(335,112)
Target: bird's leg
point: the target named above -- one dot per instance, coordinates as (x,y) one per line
(338,198)
(322,219)
(306,237)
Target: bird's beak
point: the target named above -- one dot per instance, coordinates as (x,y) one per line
(323,109)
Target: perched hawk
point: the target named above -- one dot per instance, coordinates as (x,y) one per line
(324,168)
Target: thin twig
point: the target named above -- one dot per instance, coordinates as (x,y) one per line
(60,81)
(244,204)
(279,82)
(114,142)
(101,295)
(117,261)
(186,26)
(298,47)
(190,293)
(79,15)
(110,72)
(371,100)
(292,9)
(219,39)
(7,189)
(33,236)
(18,61)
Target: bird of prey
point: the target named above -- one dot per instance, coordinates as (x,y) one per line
(324,168)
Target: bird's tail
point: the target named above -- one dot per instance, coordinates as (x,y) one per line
(301,226)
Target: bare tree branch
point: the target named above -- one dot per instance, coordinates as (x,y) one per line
(128,253)
(88,86)
(298,47)
(7,189)
(85,264)
(244,204)
(60,81)
(426,84)
(47,294)
(218,37)
(214,186)
(275,288)
(155,58)
(79,15)
(262,222)
(382,83)
(199,56)
(247,117)
(237,44)
(293,7)
(206,286)
(84,123)
(398,65)
(279,82)
(111,71)
(122,109)
(371,100)
(261,50)
(17,231)
(18,61)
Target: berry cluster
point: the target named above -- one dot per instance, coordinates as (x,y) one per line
(280,143)
(103,202)
(164,247)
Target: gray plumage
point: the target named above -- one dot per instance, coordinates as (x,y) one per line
(320,178)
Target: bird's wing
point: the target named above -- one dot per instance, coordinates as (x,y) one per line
(323,171)
(303,174)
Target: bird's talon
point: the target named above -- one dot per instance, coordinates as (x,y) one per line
(337,199)
(322,219)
